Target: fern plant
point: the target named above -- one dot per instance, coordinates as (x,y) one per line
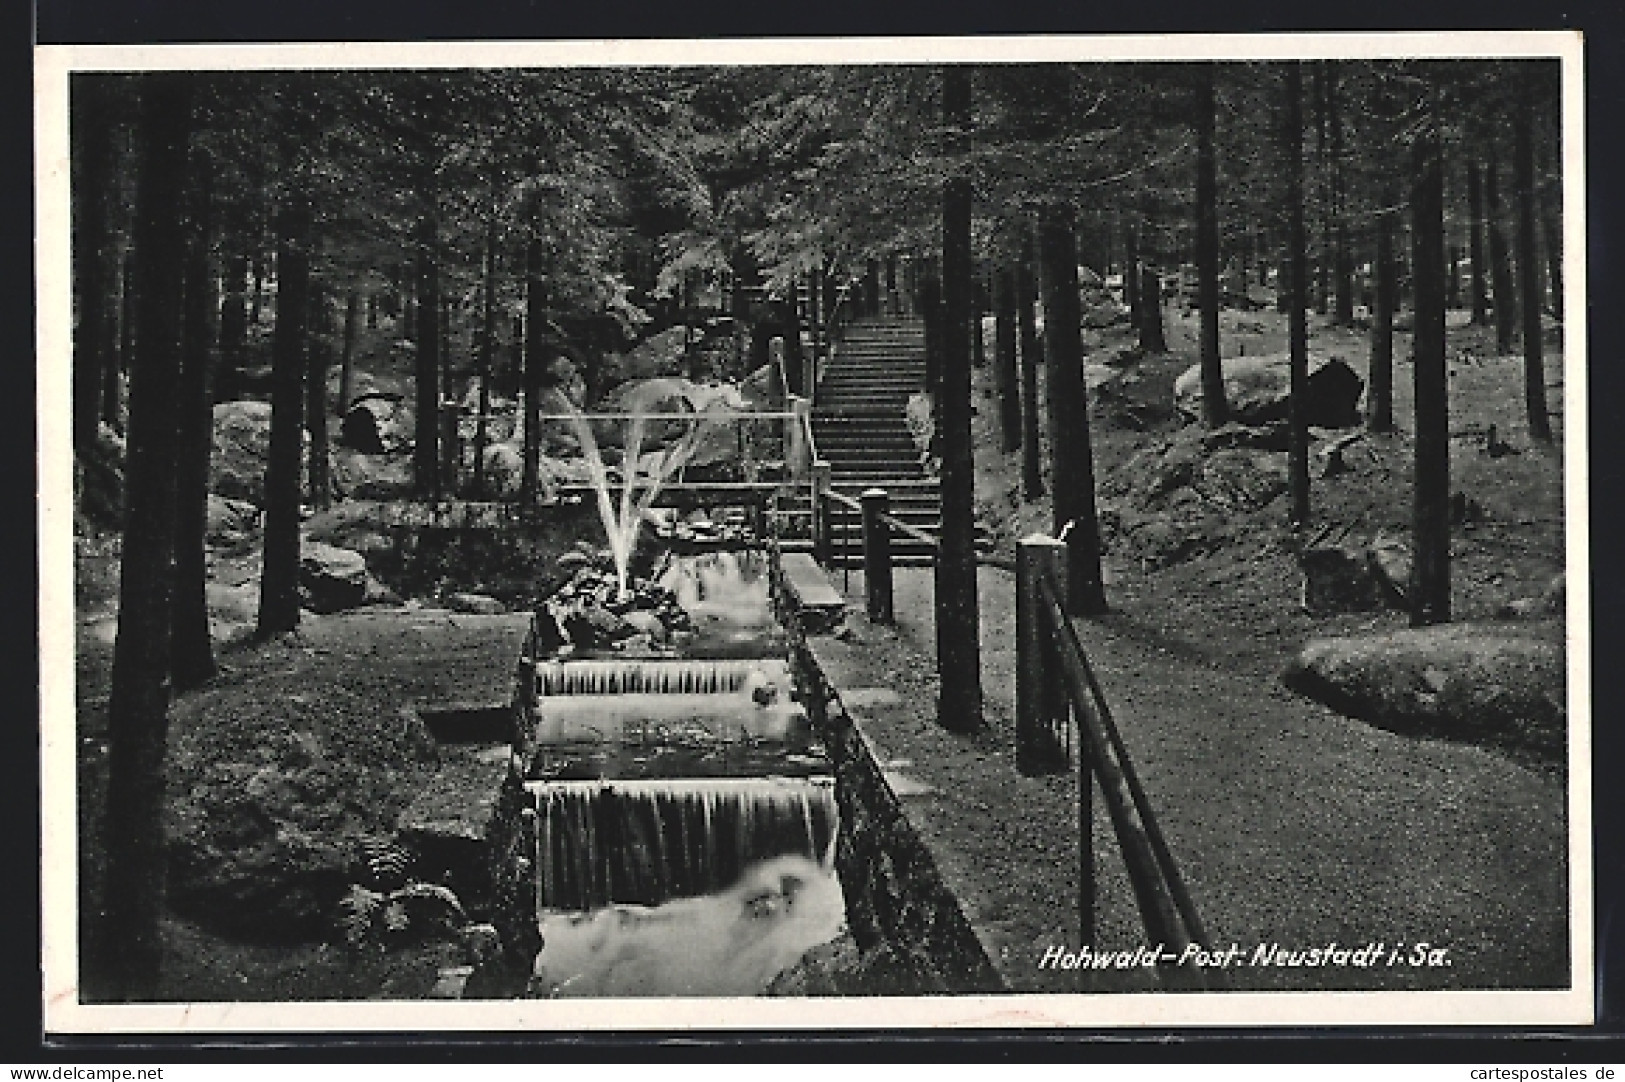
(374,917)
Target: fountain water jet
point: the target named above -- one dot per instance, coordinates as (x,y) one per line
(621,524)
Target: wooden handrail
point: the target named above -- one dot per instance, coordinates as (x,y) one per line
(1166,908)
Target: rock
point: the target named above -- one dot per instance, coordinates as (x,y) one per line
(475,604)
(1270,437)
(242,441)
(1391,559)
(231,522)
(1103,378)
(233,610)
(379,423)
(547,636)
(1256,391)
(371,477)
(504,469)
(378,593)
(1465,681)
(594,627)
(1241,480)
(1352,577)
(281,890)
(660,354)
(1464,510)
(1551,602)
(331,579)
(647,623)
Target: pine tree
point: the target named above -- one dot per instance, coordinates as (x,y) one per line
(192,660)
(279,579)
(958,624)
(1430,531)
(1534,369)
(1475,245)
(426,446)
(1032,476)
(1297,261)
(1072,473)
(93,182)
(1215,411)
(138,707)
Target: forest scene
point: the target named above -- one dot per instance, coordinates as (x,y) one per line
(910,440)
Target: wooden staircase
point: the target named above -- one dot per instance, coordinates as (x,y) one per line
(861,429)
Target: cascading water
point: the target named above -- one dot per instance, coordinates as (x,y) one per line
(685,815)
(674,677)
(681,887)
(646,842)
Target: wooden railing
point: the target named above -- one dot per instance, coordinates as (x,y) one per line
(1057,697)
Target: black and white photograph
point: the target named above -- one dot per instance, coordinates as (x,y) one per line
(861,533)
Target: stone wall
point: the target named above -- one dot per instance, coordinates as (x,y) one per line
(898,906)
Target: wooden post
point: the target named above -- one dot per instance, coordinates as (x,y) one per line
(877,555)
(1040,702)
(822,472)
(797,449)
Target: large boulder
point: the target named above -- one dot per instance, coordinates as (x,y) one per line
(262,847)
(1475,682)
(231,522)
(371,477)
(378,423)
(658,355)
(242,443)
(1256,390)
(331,579)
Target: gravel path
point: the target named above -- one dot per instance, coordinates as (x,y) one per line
(1292,825)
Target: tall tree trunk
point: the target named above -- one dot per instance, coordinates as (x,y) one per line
(1380,415)
(1534,367)
(138,708)
(1342,257)
(279,580)
(1032,474)
(488,345)
(1006,376)
(352,308)
(1152,339)
(409,309)
(319,356)
(535,321)
(794,360)
(426,450)
(113,374)
(1131,268)
(256,296)
(92,165)
(1323,201)
(931,311)
(958,624)
(1072,473)
(1550,201)
(233,324)
(1475,245)
(1215,412)
(192,652)
(1430,530)
(446,413)
(1297,261)
(1506,304)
